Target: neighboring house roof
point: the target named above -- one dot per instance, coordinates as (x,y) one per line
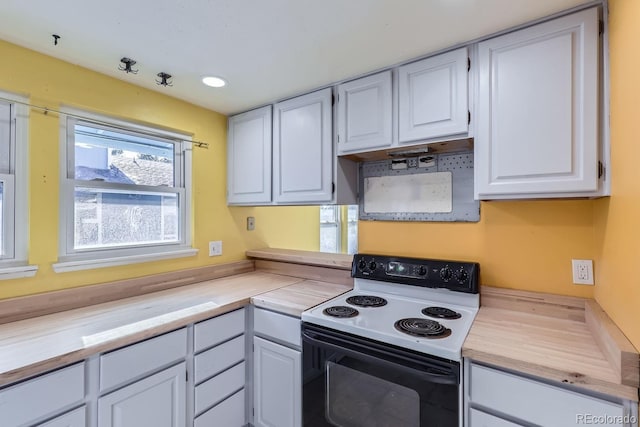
(130,170)
(144,172)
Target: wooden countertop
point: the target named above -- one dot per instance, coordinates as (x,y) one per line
(39,344)
(557,338)
(296,298)
(321,259)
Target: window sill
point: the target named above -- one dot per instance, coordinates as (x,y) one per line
(19,272)
(71,264)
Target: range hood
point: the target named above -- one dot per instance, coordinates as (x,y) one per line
(450,146)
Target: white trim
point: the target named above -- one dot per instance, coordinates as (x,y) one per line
(88,264)
(20,200)
(18,272)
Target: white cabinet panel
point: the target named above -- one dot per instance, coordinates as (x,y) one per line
(120,366)
(156,401)
(545,404)
(249,157)
(538,110)
(43,396)
(75,418)
(229,413)
(433,99)
(279,326)
(217,359)
(276,368)
(222,328)
(364,113)
(302,149)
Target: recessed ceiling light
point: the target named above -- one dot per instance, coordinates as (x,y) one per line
(213,81)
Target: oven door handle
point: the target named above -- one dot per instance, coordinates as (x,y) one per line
(380,357)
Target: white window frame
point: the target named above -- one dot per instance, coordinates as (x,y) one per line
(336,224)
(14,261)
(72,259)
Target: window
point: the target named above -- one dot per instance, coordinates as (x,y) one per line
(125,195)
(13,188)
(339,229)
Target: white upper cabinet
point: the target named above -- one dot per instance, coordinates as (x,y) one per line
(302,149)
(433,99)
(364,113)
(249,157)
(537,128)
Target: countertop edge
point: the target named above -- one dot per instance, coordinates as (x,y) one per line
(320,259)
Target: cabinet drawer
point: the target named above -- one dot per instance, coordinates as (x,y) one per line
(75,418)
(482,419)
(121,366)
(544,404)
(42,396)
(229,413)
(219,358)
(219,387)
(278,326)
(219,329)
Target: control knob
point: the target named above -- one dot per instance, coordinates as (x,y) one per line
(445,273)
(373,265)
(422,270)
(362,264)
(462,275)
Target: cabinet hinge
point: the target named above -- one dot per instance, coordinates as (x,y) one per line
(338,137)
(468,117)
(334,99)
(600,169)
(333,187)
(186,376)
(468,64)
(601,27)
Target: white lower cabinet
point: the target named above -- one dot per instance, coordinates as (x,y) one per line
(498,398)
(156,401)
(277,370)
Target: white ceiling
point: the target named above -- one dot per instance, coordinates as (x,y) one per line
(266,49)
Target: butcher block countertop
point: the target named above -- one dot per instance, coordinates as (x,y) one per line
(39,344)
(564,339)
(320,259)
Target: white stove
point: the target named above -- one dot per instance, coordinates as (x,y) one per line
(407,287)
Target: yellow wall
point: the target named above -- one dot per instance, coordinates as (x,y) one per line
(521,244)
(50,82)
(618,217)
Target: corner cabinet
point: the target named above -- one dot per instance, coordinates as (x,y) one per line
(537,131)
(302,149)
(365,113)
(433,97)
(249,157)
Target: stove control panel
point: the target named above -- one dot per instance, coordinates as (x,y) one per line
(432,273)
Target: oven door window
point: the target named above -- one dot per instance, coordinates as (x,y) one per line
(354,399)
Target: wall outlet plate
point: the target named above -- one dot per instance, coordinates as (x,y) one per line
(251,223)
(582,271)
(215,248)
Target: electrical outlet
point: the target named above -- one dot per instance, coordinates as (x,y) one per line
(582,271)
(412,162)
(251,223)
(215,248)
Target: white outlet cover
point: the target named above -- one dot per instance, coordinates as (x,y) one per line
(215,248)
(582,271)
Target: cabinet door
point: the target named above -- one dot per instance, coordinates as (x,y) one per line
(249,157)
(302,149)
(156,401)
(433,99)
(364,113)
(538,110)
(277,385)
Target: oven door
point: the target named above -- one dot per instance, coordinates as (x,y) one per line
(350,381)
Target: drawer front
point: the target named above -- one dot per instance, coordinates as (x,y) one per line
(482,419)
(45,395)
(219,358)
(278,326)
(219,329)
(75,418)
(121,366)
(229,413)
(217,388)
(544,404)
